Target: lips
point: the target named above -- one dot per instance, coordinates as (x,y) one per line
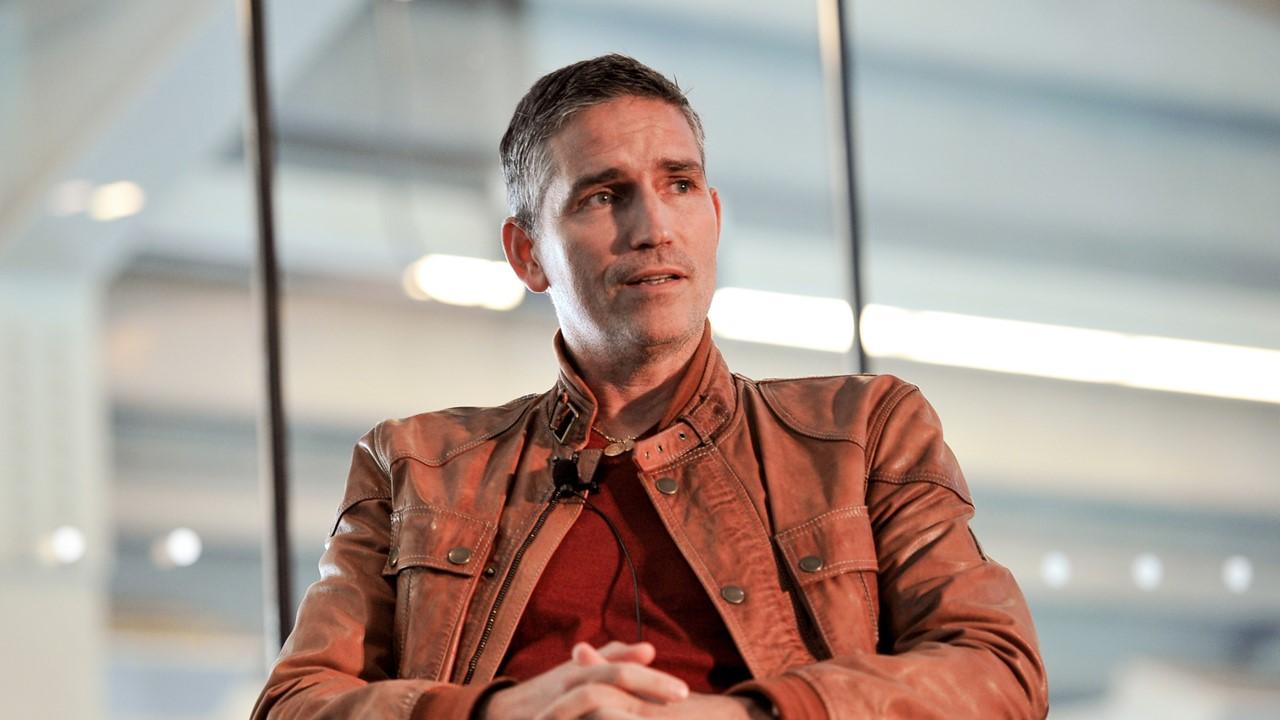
(654,276)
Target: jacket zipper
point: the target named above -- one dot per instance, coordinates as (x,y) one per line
(507,581)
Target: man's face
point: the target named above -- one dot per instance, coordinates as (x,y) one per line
(629,227)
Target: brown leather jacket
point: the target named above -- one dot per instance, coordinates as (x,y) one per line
(825,517)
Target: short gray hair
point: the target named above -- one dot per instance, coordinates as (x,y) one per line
(553,100)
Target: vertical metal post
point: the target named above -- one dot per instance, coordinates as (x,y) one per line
(259,144)
(837,65)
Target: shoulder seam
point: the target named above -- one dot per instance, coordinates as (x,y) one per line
(773,381)
(932,478)
(346,507)
(882,417)
(794,423)
(449,454)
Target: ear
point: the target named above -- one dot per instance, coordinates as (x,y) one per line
(517,245)
(715,202)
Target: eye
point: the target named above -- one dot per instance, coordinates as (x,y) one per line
(601,198)
(682,186)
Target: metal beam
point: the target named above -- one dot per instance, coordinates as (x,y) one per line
(837,64)
(259,150)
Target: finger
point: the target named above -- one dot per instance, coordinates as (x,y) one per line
(615,714)
(639,680)
(590,700)
(641,652)
(585,655)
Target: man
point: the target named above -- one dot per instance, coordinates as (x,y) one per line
(794,548)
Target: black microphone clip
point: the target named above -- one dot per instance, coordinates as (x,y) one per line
(565,475)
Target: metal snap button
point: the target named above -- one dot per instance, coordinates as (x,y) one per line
(667,486)
(393,557)
(733,594)
(490,571)
(810,563)
(459,555)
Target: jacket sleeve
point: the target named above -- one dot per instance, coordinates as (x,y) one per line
(956,636)
(340,661)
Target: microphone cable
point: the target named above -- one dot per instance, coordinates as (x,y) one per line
(626,556)
(579,489)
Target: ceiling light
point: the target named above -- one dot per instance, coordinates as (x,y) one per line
(1147,571)
(116,200)
(466,281)
(1055,569)
(63,546)
(803,321)
(1237,574)
(1070,353)
(181,547)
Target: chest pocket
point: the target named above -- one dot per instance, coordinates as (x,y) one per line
(434,556)
(832,560)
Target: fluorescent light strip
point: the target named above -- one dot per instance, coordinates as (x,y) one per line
(466,281)
(814,323)
(1008,346)
(1069,353)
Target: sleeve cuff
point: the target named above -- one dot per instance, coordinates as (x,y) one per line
(460,702)
(790,695)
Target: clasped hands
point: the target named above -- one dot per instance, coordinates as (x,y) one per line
(613,682)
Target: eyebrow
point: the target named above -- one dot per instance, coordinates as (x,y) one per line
(586,181)
(607,175)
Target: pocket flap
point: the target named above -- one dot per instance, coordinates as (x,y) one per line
(427,536)
(834,542)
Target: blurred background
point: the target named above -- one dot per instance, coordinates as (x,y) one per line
(1070,219)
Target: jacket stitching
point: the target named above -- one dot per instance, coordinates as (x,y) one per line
(730,619)
(790,540)
(481,551)
(854,510)
(871,613)
(802,428)
(681,460)
(408,509)
(882,418)
(818,620)
(774,381)
(490,594)
(742,493)
(762,527)
(376,451)
(909,476)
(933,478)
(830,570)
(346,507)
(475,442)
(404,626)
(436,662)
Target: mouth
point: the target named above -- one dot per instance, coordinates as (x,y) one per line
(657,276)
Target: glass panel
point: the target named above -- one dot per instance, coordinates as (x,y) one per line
(1057,197)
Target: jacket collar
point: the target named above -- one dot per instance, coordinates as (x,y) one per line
(571,412)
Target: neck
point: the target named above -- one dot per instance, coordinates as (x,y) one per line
(633,390)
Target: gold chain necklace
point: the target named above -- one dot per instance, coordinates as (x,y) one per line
(616,446)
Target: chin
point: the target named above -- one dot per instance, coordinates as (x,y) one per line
(657,335)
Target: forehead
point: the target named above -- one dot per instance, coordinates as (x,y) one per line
(628,133)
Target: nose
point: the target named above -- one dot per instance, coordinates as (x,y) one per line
(651,220)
